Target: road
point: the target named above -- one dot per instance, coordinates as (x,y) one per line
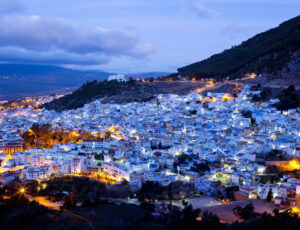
(47,203)
(233,82)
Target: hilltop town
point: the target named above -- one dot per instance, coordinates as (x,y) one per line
(220,145)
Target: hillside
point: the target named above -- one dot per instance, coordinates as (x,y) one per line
(276,51)
(147,75)
(119,92)
(289,98)
(21,80)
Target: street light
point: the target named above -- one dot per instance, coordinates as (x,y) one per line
(22,190)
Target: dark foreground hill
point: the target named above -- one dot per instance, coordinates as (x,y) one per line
(276,51)
(17,212)
(21,80)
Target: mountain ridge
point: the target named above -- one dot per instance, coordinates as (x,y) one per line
(268,52)
(22,80)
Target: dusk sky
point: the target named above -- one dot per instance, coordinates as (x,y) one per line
(129,36)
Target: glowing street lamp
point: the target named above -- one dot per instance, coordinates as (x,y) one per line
(22,190)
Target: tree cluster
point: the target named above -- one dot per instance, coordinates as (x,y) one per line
(77,187)
(188,218)
(46,137)
(90,91)
(154,191)
(289,98)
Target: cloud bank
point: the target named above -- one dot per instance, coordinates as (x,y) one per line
(10,6)
(40,39)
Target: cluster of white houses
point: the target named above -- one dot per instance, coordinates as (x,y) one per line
(148,139)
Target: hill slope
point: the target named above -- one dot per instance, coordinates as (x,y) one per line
(119,92)
(147,75)
(268,52)
(21,80)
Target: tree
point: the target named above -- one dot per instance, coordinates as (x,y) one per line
(230,191)
(68,204)
(252,122)
(244,213)
(200,167)
(74,195)
(185,219)
(99,157)
(185,203)
(193,112)
(270,195)
(246,113)
(108,135)
(160,145)
(210,221)
(87,203)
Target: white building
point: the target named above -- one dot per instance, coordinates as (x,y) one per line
(37,172)
(118,77)
(118,170)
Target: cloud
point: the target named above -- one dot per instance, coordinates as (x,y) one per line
(10,6)
(58,42)
(198,8)
(57,57)
(143,50)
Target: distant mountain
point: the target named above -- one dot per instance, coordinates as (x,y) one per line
(21,80)
(276,51)
(147,75)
